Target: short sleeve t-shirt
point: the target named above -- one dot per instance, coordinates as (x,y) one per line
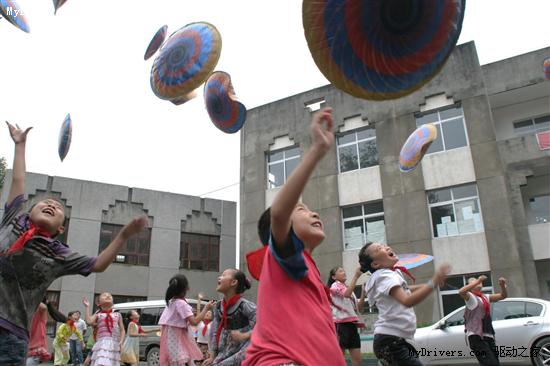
(472,303)
(394,318)
(176,314)
(343,308)
(294,320)
(26,275)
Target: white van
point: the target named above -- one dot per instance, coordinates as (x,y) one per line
(149,311)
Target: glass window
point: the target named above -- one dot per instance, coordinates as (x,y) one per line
(539,208)
(451,131)
(455,211)
(532,125)
(458,318)
(507,310)
(134,251)
(450,300)
(533,309)
(363,223)
(280,164)
(199,251)
(150,316)
(357,150)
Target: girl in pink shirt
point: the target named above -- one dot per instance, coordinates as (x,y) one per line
(344,311)
(177,346)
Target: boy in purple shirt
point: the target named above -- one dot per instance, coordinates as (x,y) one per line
(31,258)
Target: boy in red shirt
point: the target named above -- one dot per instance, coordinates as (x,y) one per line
(293,321)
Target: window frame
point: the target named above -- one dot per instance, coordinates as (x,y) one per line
(453,201)
(465,276)
(283,160)
(205,261)
(356,142)
(533,125)
(127,254)
(362,217)
(439,123)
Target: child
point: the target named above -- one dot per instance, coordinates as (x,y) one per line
(177,346)
(204,329)
(61,341)
(294,318)
(478,323)
(31,258)
(108,332)
(74,344)
(344,312)
(38,344)
(388,290)
(130,348)
(234,319)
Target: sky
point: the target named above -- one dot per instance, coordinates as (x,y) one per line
(88,61)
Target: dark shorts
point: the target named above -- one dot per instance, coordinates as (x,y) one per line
(395,351)
(13,350)
(484,349)
(348,335)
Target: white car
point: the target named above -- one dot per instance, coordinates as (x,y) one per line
(522,327)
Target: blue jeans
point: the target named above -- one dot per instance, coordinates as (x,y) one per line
(76,351)
(13,350)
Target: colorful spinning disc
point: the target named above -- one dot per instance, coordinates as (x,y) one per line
(221,103)
(65,136)
(57,4)
(156,42)
(381,49)
(413,260)
(546,66)
(186,60)
(415,147)
(10,10)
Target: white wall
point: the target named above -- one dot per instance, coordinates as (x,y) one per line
(466,253)
(357,186)
(505,116)
(540,240)
(448,168)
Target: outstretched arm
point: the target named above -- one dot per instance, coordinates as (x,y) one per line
(351,287)
(285,201)
(194,320)
(410,300)
(464,292)
(19,137)
(90,320)
(503,291)
(107,256)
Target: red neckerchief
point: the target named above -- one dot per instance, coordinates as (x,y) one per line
(108,319)
(254,262)
(206,322)
(223,323)
(70,323)
(486,305)
(405,271)
(19,244)
(138,325)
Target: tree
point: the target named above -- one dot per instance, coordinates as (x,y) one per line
(3,166)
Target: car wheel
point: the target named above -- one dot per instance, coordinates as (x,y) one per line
(541,352)
(153,356)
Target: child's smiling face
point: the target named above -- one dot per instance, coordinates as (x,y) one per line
(382,256)
(106,300)
(48,215)
(307,225)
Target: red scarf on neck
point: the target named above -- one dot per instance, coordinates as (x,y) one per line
(138,325)
(405,271)
(19,244)
(108,321)
(486,305)
(70,323)
(206,322)
(223,323)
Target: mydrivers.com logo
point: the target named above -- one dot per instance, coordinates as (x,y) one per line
(13,12)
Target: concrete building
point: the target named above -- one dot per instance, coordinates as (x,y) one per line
(186,234)
(480,199)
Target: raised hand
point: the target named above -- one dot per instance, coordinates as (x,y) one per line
(17,134)
(133,227)
(321,132)
(440,274)
(85,302)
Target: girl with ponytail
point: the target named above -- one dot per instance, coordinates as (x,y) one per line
(234,318)
(177,346)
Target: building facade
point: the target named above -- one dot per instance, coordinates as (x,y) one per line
(186,234)
(480,199)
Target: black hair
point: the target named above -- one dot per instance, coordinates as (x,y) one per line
(365,260)
(243,283)
(70,314)
(264,226)
(332,272)
(177,287)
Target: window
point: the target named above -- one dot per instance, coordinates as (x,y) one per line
(532,125)
(507,310)
(455,211)
(540,209)
(199,251)
(53,299)
(451,300)
(134,251)
(456,319)
(451,131)
(150,316)
(280,164)
(357,150)
(363,223)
